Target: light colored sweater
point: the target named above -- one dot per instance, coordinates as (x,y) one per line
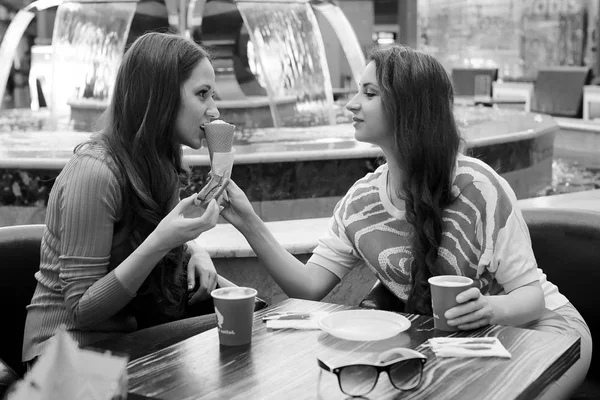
(82,244)
(484,235)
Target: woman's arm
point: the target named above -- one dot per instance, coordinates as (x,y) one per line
(524,304)
(200,266)
(507,255)
(309,281)
(89,205)
(306,281)
(174,230)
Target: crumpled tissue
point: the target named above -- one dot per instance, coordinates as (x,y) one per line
(64,371)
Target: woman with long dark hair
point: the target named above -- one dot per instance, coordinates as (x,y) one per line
(428,211)
(117,237)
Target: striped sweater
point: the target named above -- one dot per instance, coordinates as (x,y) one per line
(82,244)
(484,235)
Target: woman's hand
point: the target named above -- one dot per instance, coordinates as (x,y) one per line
(184,223)
(201,265)
(474,310)
(237,210)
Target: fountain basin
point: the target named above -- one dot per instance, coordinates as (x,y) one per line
(249,113)
(288,173)
(255,111)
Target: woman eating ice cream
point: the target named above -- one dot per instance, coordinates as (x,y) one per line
(117,252)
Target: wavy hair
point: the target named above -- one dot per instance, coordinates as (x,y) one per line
(418,100)
(138,134)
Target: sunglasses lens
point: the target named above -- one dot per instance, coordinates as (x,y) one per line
(406,375)
(358,380)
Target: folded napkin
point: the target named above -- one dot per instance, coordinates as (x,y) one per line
(292,320)
(468,347)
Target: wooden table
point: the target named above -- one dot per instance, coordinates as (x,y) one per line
(281,364)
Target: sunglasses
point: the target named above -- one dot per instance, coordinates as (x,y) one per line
(403,366)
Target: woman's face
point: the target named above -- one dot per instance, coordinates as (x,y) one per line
(370,123)
(197,105)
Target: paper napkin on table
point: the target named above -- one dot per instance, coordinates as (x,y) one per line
(64,371)
(293,320)
(468,347)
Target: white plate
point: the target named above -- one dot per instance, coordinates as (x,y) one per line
(363,324)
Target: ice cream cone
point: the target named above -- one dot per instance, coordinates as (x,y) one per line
(219,137)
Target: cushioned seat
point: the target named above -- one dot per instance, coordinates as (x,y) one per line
(20,260)
(566,244)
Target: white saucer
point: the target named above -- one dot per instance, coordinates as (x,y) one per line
(364,324)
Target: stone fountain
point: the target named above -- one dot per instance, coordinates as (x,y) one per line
(295,150)
(269,56)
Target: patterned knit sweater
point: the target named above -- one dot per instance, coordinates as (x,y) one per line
(484,235)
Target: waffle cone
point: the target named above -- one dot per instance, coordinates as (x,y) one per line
(219,137)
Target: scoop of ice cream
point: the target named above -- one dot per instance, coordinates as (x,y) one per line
(219,136)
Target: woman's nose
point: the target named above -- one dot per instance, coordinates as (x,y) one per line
(213,113)
(352,105)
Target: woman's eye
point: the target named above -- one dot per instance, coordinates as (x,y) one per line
(213,95)
(203,93)
(369,94)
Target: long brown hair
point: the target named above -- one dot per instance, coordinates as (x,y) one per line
(138,134)
(418,99)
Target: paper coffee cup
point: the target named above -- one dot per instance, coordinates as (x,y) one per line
(444,289)
(234,307)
